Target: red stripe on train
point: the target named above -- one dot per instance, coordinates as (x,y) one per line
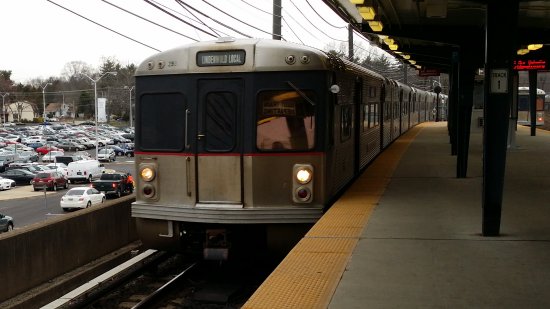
(262,154)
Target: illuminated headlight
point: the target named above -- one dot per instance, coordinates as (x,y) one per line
(147,174)
(304,175)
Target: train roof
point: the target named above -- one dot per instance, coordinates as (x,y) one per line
(235,55)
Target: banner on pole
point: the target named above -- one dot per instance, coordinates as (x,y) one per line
(101,114)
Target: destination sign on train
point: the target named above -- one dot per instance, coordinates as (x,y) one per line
(279,108)
(224,57)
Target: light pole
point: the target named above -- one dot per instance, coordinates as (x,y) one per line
(44,101)
(95,104)
(3,109)
(130,90)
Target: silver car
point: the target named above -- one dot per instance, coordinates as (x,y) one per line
(106,154)
(6,223)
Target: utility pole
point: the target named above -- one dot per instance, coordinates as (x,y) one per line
(277,8)
(44,101)
(3,109)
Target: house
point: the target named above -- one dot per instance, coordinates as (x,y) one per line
(58,110)
(21,111)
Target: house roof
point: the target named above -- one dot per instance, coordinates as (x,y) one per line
(53,107)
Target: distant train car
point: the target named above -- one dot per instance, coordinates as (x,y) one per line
(524,114)
(250,138)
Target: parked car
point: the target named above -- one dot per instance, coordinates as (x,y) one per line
(5,160)
(35,145)
(57,166)
(6,223)
(6,183)
(120,151)
(21,177)
(71,146)
(106,154)
(81,197)
(22,166)
(27,156)
(45,149)
(50,156)
(84,170)
(49,180)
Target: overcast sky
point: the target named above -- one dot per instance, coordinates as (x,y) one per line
(40,37)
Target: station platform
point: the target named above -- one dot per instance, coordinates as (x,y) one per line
(407,234)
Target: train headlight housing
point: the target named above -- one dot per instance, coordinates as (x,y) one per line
(304,175)
(148,181)
(147,174)
(302,183)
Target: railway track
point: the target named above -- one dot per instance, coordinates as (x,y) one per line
(166,280)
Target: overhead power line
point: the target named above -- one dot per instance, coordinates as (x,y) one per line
(150,21)
(251,26)
(257,8)
(197,20)
(183,21)
(337,27)
(105,27)
(291,30)
(314,26)
(188,11)
(218,22)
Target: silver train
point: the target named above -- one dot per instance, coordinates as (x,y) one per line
(251,140)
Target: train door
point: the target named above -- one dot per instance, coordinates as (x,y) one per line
(219,153)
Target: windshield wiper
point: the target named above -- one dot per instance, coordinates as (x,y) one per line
(303,95)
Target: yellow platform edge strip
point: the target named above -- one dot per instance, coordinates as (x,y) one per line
(309,275)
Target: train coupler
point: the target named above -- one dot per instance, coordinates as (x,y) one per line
(216,246)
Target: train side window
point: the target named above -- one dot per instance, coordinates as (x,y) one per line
(285,121)
(346,125)
(366,117)
(373,115)
(165,135)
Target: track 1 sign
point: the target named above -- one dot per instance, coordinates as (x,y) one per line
(499,81)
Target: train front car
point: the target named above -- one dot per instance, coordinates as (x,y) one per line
(229,144)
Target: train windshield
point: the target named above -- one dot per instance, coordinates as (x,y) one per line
(285,121)
(165,135)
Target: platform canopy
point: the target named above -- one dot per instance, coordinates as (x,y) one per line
(428,31)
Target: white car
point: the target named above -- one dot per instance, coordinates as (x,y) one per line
(106,154)
(50,156)
(81,197)
(6,184)
(57,167)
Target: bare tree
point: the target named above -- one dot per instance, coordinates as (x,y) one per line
(74,68)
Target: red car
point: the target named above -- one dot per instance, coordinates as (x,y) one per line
(49,180)
(45,149)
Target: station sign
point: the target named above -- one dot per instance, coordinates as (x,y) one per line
(530,64)
(499,81)
(428,72)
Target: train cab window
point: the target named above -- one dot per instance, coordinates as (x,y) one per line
(165,135)
(285,121)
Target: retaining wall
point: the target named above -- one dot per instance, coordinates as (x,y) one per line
(35,254)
